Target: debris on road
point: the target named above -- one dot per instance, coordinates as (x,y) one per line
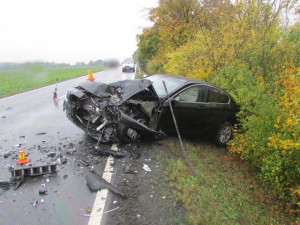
(70,151)
(134,153)
(34,204)
(146,168)
(41,133)
(4,184)
(34,170)
(84,162)
(108,152)
(42,192)
(7,154)
(88,210)
(10,167)
(17,181)
(138,182)
(62,160)
(46,176)
(95,183)
(52,154)
(112,210)
(128,170)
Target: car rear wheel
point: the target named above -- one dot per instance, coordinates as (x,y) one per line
(224,134)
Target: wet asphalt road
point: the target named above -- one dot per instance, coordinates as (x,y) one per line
(22,118)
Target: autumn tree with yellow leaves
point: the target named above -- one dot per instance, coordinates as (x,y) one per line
(251,48)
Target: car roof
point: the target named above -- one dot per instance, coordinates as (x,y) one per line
(185,81)
(182,79)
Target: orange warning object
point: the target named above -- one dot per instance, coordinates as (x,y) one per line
(22,157)
(90,76)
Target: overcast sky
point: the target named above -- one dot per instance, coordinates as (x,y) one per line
(71,30)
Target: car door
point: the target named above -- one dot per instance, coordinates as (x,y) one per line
(218,109)
(190,111)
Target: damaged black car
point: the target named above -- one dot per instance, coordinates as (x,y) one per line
(128,110)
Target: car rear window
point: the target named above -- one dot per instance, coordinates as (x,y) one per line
(128,62)
(217,96)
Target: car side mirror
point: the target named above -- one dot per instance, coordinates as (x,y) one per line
(176,100)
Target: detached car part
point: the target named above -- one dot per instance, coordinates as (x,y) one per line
(95,183)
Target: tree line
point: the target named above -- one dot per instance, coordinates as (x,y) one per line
(251,48)
(14,65)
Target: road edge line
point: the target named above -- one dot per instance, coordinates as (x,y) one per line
(100,200)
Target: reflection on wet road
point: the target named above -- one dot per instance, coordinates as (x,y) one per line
(22,117)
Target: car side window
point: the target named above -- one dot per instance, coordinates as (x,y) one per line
(217,96)
(190,94)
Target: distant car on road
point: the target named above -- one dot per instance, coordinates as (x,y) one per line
(126,110)
(128,65)
(111,63)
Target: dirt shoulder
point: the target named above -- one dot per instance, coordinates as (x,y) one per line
(150,198)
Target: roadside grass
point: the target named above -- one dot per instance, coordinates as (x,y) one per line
(34,76)
(225,190)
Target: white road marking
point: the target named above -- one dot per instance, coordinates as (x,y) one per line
(26,92)
(61,97)
(99,204)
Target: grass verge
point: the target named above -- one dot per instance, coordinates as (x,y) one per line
(34,76)
(225,190)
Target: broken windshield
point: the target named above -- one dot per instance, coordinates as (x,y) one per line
(159,87)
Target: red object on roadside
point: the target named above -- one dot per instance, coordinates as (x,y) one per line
(55,91)
(55,95)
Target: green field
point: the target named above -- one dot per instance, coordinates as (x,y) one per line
(34,76)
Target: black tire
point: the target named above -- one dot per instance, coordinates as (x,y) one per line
(126,134)
(224,134)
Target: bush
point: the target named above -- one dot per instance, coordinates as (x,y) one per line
(269,117)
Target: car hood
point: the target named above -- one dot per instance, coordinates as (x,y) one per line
(124,89)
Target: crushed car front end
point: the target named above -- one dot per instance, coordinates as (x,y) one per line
(118,112)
